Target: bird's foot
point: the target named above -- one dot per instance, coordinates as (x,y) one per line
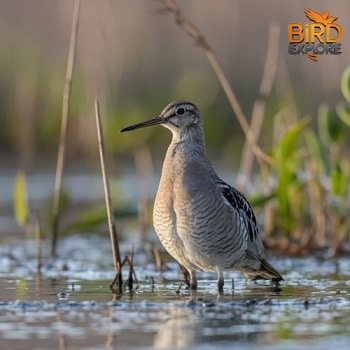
(276,286)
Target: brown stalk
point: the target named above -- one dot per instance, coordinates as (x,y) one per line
(64,128)
(260,103)
(193,31)
(38,241)
(110,214)
(132,273)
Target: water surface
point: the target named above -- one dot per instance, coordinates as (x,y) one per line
(70,306)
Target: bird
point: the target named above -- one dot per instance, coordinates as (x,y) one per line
(204,223)
(323,18)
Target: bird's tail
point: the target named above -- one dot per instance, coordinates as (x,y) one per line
(270,271)
(266,272)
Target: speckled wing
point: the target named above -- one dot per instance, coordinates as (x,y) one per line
(255,252)
(238,202)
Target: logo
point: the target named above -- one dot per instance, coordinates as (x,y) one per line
(320,37)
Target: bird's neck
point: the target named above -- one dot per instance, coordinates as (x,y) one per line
(188,143)
(185,149)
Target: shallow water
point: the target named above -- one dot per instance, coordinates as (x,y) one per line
(70,306)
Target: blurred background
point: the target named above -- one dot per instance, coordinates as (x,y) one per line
(136,60)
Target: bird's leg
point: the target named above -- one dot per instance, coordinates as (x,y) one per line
(185,276)
(193,278)
(220,272)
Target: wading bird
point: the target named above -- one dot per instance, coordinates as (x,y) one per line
(203,223)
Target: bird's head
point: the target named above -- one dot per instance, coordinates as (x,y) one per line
(179,117)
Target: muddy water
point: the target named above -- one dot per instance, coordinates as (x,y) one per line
(69,305)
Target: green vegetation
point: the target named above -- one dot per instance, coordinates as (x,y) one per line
(308,208)
(20,199)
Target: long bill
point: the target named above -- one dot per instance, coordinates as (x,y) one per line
(153,121)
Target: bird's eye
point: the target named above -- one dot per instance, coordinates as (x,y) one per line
(180,111)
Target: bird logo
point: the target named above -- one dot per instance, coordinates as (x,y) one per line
(320,37)
(323,18)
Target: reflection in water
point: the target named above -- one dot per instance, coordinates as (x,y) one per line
(188,327)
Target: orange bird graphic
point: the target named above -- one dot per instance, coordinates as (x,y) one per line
(323,18)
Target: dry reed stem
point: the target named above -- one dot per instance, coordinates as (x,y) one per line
(193,31)
(64,128)
(38,241)
(131,268)
(110,215)
(260,103)
(132,273)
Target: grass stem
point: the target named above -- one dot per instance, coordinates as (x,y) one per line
(110,214)
(64,129)
(193,31)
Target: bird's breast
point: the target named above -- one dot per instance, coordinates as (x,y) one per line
(191,213)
